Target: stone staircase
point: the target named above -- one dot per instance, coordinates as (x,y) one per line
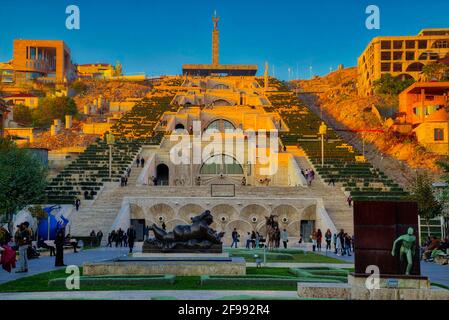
(333,197)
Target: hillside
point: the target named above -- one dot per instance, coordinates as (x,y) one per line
(336,93)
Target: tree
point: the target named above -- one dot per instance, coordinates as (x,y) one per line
(22,179)
(429,206)
(79,87)
(390,85)
(51,108)
(436,71)
(23,115)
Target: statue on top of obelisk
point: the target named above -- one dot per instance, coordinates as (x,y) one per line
(215,40)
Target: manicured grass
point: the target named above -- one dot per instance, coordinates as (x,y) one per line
(280,255)
(39,283)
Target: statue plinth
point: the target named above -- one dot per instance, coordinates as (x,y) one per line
(192,246)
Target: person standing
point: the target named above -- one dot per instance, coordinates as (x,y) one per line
(334,237)
(99,237)
(23,239)
(235,238)
(138,161)
(328,239)
(284,238)
(131,233)
(348,244)
(257,240)
(319,239)
(59,244)
(313,238)
(142,162)
(349,201)
(77,204)
(341,241)
(248,240)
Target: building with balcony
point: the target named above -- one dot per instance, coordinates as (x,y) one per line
(98,70)
(401,56)
(44,60)
(422,107)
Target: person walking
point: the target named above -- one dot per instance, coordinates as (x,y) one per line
(59,244)
(257,240)
(131,233)
(23,240)
(328,239)
(110,236)
(235,238)
(319,239)
(277,238)
(253,239)
(284,238)
(142,162)
(77,204)
(349,201)
(138,161)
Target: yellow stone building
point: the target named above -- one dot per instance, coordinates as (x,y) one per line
(400,56)
(98,70)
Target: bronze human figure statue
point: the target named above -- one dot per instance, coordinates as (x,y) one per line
(198,236)
(407,248)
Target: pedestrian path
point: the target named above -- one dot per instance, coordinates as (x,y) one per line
(46,264)
(151,295)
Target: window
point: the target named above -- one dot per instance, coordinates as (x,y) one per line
(397,55)
(397,67)
(397,44)
(221,164)
(410,44)
(385,67)
(438,134)
(220,125)
(409,55)
(441,44)
(385,45)
(33,53)
(422,44)
(385,55)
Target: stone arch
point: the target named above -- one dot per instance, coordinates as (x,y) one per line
(223,211)
(213,165)
(190,210)
(160,210)
(136,211)
(309,213)
(405,76)
(252,211)
(286,213)
(222,102)
(162,175)
(415,67)
(179,127)
(220,124)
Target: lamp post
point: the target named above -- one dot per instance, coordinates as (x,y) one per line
(110,140)
(322,132)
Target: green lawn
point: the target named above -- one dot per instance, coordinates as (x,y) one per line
(282,255)
(40,283)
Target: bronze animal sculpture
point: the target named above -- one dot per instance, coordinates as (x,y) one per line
(196,237)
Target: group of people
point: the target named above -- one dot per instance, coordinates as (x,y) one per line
(22,242)
(124,178)
(434,246)
(122,238)
(309,174)
(98,235)
(140,161)
(343,243)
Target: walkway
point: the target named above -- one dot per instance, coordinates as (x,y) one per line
(151,295)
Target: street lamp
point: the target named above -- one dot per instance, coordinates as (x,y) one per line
(322,132)
(110,140)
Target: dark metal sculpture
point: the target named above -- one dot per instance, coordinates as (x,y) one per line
(198,237)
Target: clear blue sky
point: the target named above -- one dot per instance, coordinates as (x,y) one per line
(157,37)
